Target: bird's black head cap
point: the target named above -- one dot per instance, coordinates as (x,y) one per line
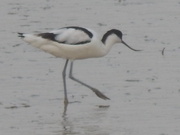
(112,31)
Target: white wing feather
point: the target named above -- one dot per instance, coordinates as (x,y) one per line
(71,36)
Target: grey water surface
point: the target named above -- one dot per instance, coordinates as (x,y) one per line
(144,87)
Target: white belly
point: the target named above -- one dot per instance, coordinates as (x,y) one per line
(73,51)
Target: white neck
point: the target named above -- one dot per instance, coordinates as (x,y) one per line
(109,42)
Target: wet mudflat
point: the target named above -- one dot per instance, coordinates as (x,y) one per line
(144,87)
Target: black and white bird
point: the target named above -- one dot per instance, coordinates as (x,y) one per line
(72,43)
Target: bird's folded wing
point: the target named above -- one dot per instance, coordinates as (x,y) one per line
(68,35)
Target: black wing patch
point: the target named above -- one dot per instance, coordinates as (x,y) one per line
(50,36)
(82,29)
(72,35)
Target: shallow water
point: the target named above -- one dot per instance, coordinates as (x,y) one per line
(144,87)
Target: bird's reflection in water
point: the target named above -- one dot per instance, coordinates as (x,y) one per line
(67,125)
(69,128)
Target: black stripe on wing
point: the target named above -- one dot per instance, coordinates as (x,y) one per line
(79,43)
(82,29)
(52,36)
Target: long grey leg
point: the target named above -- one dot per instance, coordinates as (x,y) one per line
(97,92)
(64,82)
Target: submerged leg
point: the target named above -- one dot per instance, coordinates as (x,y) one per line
(97,92)
(64,82)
